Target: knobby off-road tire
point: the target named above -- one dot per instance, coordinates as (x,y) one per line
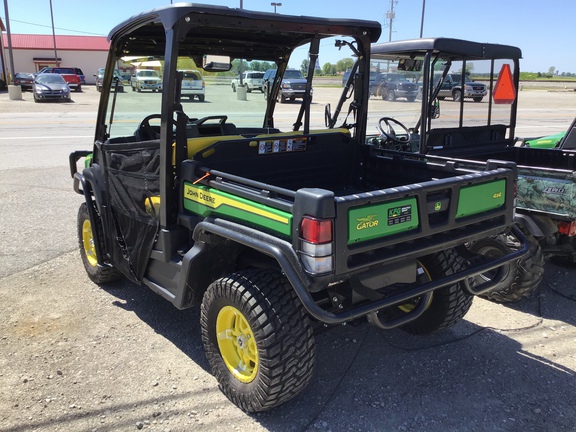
(97,274)
(522,277)
(257,338)
(449,304)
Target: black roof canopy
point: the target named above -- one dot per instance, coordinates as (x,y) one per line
(454,48)
(231,31)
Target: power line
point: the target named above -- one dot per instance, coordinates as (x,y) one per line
(58,28)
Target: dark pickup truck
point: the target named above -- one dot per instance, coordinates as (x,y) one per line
(276,224)
(391,86)
(458,86)
(546,189)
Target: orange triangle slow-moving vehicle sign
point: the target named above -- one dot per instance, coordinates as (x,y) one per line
(505,90)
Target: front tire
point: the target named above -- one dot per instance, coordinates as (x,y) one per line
(390,96)
(97,273)
(257,338)
(457,95)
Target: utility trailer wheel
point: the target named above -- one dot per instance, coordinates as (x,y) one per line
(97,274)
(257,338)
(522,277)
(449,304)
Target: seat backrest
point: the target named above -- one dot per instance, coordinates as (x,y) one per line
(196,145)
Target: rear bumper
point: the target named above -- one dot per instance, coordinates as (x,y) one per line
(302,283)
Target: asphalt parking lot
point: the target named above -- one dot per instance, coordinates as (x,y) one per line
(78,357)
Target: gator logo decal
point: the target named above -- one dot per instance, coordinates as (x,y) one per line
(369,221)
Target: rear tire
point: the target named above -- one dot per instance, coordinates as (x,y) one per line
(257,338)
(97,273)
(522,276)
(448,304)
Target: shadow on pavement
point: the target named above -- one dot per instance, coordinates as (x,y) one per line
(469,378)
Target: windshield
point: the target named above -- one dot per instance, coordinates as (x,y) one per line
(148,73)
(192,75)
(220,98)
(50,79)
(65,71)
(294,74)
(475,109)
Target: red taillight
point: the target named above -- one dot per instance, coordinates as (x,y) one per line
(202,84)
(567,228)
(316,231)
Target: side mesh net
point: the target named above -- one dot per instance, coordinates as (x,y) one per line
(133,176)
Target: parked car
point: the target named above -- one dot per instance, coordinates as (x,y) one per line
(391,86)
(251,79)
(100,77)
(146,79)
(24,80)
(80,74)
(193,85)
(50,86)
(69,75)
(293,84)
(452,87)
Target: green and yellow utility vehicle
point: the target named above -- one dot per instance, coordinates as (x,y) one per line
(546,190)
(275,218)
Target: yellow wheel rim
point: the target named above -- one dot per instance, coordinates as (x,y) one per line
(409,307)
(88,243)
(237,344)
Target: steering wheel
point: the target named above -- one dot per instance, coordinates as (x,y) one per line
(390,134)
(147,132)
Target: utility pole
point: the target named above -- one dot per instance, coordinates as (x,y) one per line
(54,36)
(422,20)
(12,72)
(390,16)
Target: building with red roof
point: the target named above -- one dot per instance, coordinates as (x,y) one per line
(32,52)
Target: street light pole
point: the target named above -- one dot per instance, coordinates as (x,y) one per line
(275,4)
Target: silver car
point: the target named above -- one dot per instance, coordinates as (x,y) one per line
(50,86)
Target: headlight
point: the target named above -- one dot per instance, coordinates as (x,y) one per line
(468,88)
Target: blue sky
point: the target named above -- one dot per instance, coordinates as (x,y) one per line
(544,30)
